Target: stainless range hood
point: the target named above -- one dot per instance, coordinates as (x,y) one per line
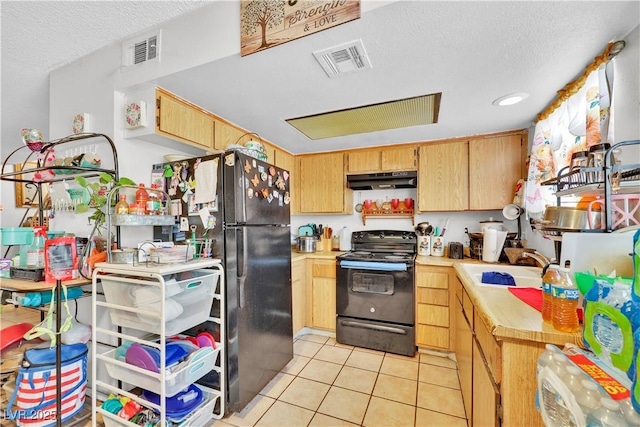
(383,181)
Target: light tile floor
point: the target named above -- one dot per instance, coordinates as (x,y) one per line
(331,384)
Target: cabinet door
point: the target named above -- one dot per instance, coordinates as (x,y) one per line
(495,165)
(398,159)
(464,354)
(298,295)
(323,289)
(443,180)
(486,397)
(180,120)
(322,184)
(270,151)
(363,161)
(227,134)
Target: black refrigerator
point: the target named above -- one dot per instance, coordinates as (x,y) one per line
(251,234)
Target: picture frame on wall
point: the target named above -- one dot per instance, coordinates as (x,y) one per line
(135,114)
(26,192)
(81,123)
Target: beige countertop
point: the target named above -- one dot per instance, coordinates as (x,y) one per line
(507,317)
(296,256)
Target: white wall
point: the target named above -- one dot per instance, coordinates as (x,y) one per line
(96,84)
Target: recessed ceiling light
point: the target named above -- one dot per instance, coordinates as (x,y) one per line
(512,98)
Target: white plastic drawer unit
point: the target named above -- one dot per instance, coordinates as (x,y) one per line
(185,298)
(198,418)
(178,377)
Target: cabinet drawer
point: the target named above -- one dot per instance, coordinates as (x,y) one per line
(432,278)
(491,350)
(433,296)
(432,336)
(433,315)
(324,270)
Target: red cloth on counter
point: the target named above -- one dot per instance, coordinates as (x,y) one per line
(533,298)
(530,296)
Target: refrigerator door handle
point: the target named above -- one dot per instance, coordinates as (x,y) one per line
(241,256)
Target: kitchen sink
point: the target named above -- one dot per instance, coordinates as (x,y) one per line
(526,277)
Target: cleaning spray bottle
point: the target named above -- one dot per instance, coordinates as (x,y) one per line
(35,252)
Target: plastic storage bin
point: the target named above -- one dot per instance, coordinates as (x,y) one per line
(198,418)
(197,365)
(16,235)
(139,301)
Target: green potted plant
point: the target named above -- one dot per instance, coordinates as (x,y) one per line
(98,196)
(98,191)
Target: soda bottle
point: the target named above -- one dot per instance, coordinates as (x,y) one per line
(566,296)
(550,278)
(141,199)
(122,207)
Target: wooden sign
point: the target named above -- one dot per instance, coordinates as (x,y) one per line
(268,23)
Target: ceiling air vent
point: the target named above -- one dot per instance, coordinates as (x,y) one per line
(342,59)
(142,49)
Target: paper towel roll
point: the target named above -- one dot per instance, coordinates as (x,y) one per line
(489,245)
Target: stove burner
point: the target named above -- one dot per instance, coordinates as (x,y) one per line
(395,256)
(360,253)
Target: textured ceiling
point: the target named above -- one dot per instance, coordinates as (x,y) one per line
(40,36)
(471,52)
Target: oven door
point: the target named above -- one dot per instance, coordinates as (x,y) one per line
(376,291)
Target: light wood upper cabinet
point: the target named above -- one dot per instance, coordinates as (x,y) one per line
(443,180)
(322,186)
(382,160)
(479,174)
(229,134)
(398,159)
(495,165)
(179,119)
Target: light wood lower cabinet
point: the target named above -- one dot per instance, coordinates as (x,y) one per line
(298,295)
(497,376)
(486,397)
(464,351)
(434,317)
(322,298)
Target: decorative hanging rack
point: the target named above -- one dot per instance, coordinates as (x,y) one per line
(613,48)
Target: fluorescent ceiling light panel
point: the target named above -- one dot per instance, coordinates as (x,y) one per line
(416,111)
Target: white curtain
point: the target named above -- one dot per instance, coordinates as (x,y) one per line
(584,119)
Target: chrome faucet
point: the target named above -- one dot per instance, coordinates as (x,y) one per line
(542,260)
